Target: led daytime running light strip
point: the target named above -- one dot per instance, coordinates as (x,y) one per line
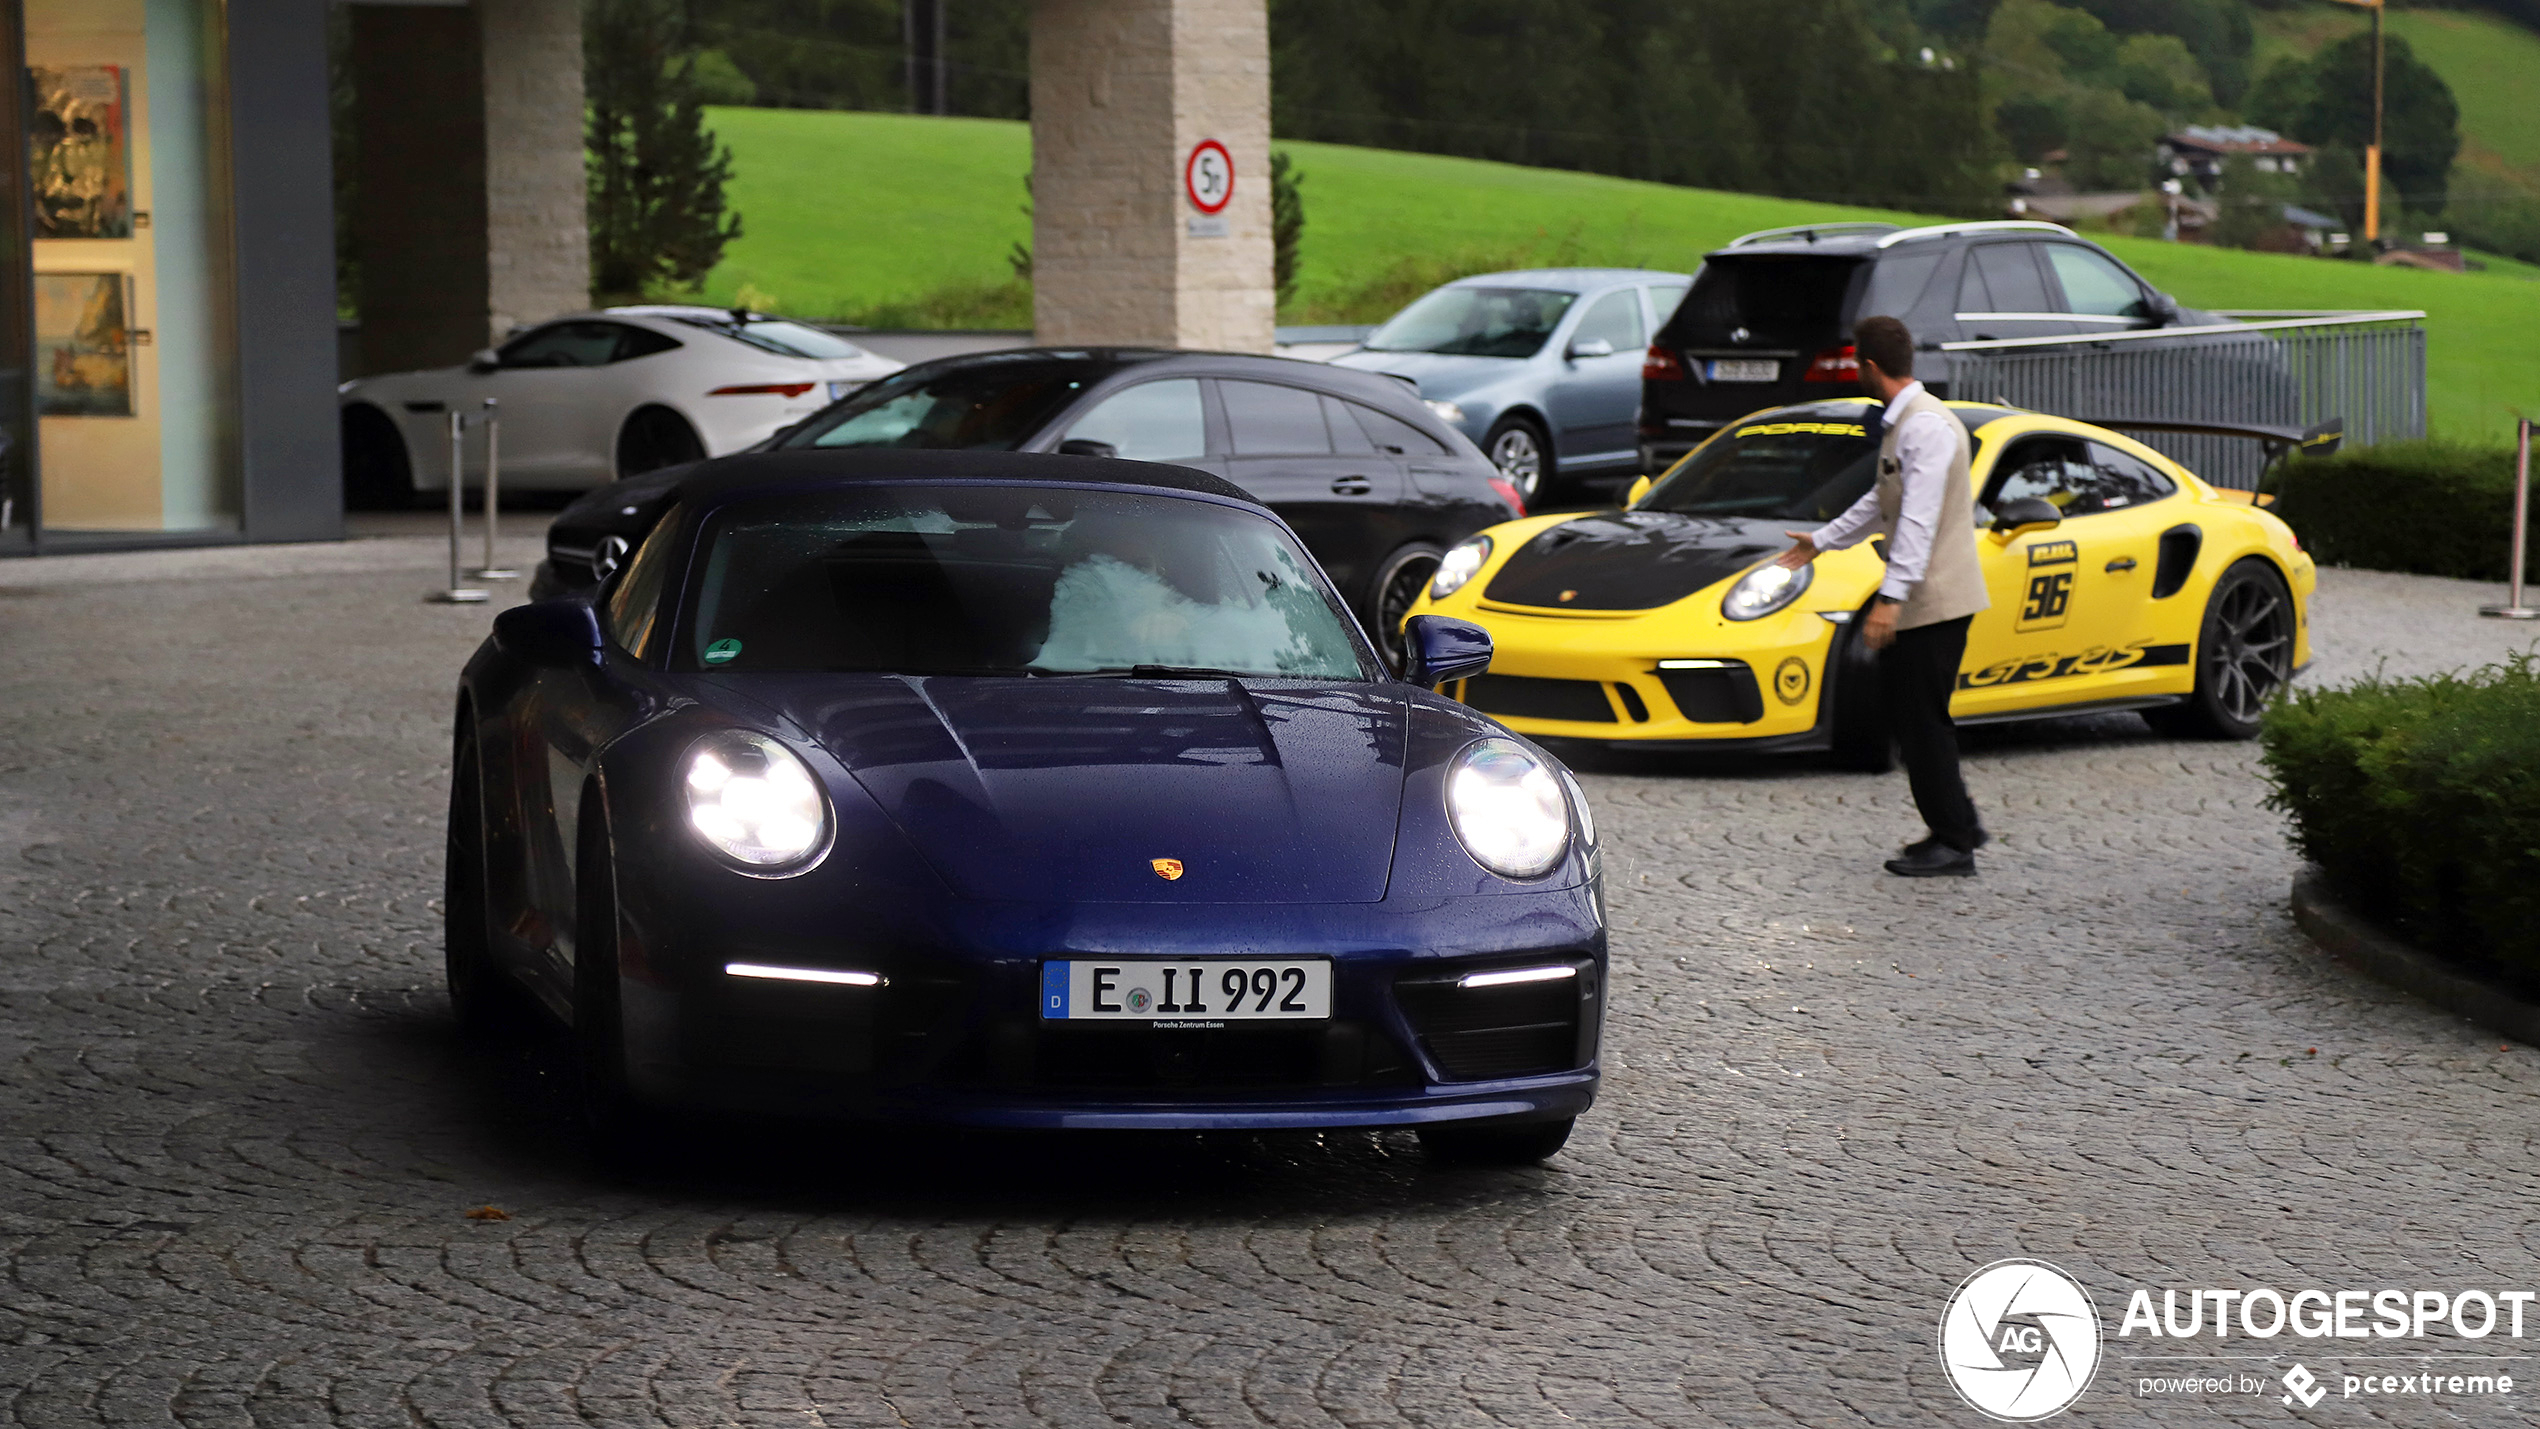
(1512,976)
(841,979)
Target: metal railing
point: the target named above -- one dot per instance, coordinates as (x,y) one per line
(2283,370)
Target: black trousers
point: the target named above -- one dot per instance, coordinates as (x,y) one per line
(1917,675)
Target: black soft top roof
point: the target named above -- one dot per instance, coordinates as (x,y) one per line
(815,466)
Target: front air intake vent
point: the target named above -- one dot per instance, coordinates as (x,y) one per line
(1520,1029)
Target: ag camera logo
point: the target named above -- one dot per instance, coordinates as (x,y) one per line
(2019,1340)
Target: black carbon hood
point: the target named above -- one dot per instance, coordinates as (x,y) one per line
(1630,560)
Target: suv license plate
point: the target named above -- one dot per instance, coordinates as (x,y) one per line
(1746,369)
(1202,990)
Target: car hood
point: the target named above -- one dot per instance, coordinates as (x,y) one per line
(1630,560)
(1065,789)
(1441,376)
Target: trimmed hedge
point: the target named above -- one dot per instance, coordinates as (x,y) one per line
(2427,507)
(2420,800)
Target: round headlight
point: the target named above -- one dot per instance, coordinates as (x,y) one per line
(1765,589)
(1459,566)
(752,800)
(1507,809)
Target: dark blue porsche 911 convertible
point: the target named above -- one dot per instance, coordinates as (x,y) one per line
(1024,791)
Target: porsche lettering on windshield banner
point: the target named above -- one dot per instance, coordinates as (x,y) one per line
(1200,990)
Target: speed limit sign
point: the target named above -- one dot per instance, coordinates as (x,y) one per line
(1208,176)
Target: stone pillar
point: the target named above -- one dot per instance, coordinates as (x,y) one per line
(1122,91)
(470,219)
(537,225)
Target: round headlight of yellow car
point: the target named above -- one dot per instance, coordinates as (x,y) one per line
(1765,589)
(1459,566)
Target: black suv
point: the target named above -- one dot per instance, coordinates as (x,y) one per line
(1373,482)
(1769,319)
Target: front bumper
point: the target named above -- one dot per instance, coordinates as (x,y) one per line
(952,1033)
(1659,678)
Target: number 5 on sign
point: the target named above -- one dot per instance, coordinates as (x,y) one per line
(1208,176)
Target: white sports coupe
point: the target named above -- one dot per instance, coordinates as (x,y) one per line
(592,397)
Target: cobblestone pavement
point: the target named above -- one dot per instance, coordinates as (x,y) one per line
(238,1138)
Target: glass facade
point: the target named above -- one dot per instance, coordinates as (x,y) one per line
(125,400)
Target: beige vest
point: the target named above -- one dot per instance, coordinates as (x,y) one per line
(1953,582)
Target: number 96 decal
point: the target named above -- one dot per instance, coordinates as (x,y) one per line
(2049,597)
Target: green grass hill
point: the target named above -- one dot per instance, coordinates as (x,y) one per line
(895,220)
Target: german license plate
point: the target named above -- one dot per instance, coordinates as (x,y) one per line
(1746,369)
(1203,990)
(838,390)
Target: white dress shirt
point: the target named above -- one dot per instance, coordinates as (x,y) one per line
(1923,451)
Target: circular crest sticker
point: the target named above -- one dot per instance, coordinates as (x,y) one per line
(2019,1340)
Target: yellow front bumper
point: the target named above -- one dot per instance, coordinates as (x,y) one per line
(1667,675)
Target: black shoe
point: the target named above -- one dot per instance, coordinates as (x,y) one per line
(1933,859)
(1929,842)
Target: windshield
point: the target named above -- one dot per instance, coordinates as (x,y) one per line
(1475,322)
(988,406)
(776,335)
(1776,469)
(1009,580)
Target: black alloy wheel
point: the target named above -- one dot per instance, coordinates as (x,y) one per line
(2244,654)
(653,438)
(1523,454)
(1400,582)
(378,474)
(467,960)
(1494,1143)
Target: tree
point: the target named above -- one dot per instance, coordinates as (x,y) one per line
(1287,223)
(656,175)
(2329,102)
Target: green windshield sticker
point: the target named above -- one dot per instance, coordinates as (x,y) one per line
(723,652)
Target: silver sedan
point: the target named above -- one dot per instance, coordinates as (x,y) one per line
(1540,368)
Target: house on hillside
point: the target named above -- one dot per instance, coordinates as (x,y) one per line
(2199,151)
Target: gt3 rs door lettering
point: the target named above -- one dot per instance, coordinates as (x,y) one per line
(2097,660)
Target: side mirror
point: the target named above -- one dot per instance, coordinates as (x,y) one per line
(2029,513)
(1593,347)
(2164,308)
(1087,446)
(550,632)
(1640,488)
(1439,651)
(483,360)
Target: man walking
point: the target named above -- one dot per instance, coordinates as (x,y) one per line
(1934,586)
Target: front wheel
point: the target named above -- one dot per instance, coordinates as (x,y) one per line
(653,438)
(2244,654)
(1400,581)
(1523,454)
(1495,1143)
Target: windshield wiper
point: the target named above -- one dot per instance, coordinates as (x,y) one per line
(1159,672)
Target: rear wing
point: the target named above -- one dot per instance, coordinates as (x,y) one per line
(2279,443)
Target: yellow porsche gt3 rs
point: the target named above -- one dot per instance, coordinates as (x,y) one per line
(2119,582)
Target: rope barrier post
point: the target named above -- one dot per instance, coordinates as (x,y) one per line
(493,495)
(454,593)
(2513,608)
